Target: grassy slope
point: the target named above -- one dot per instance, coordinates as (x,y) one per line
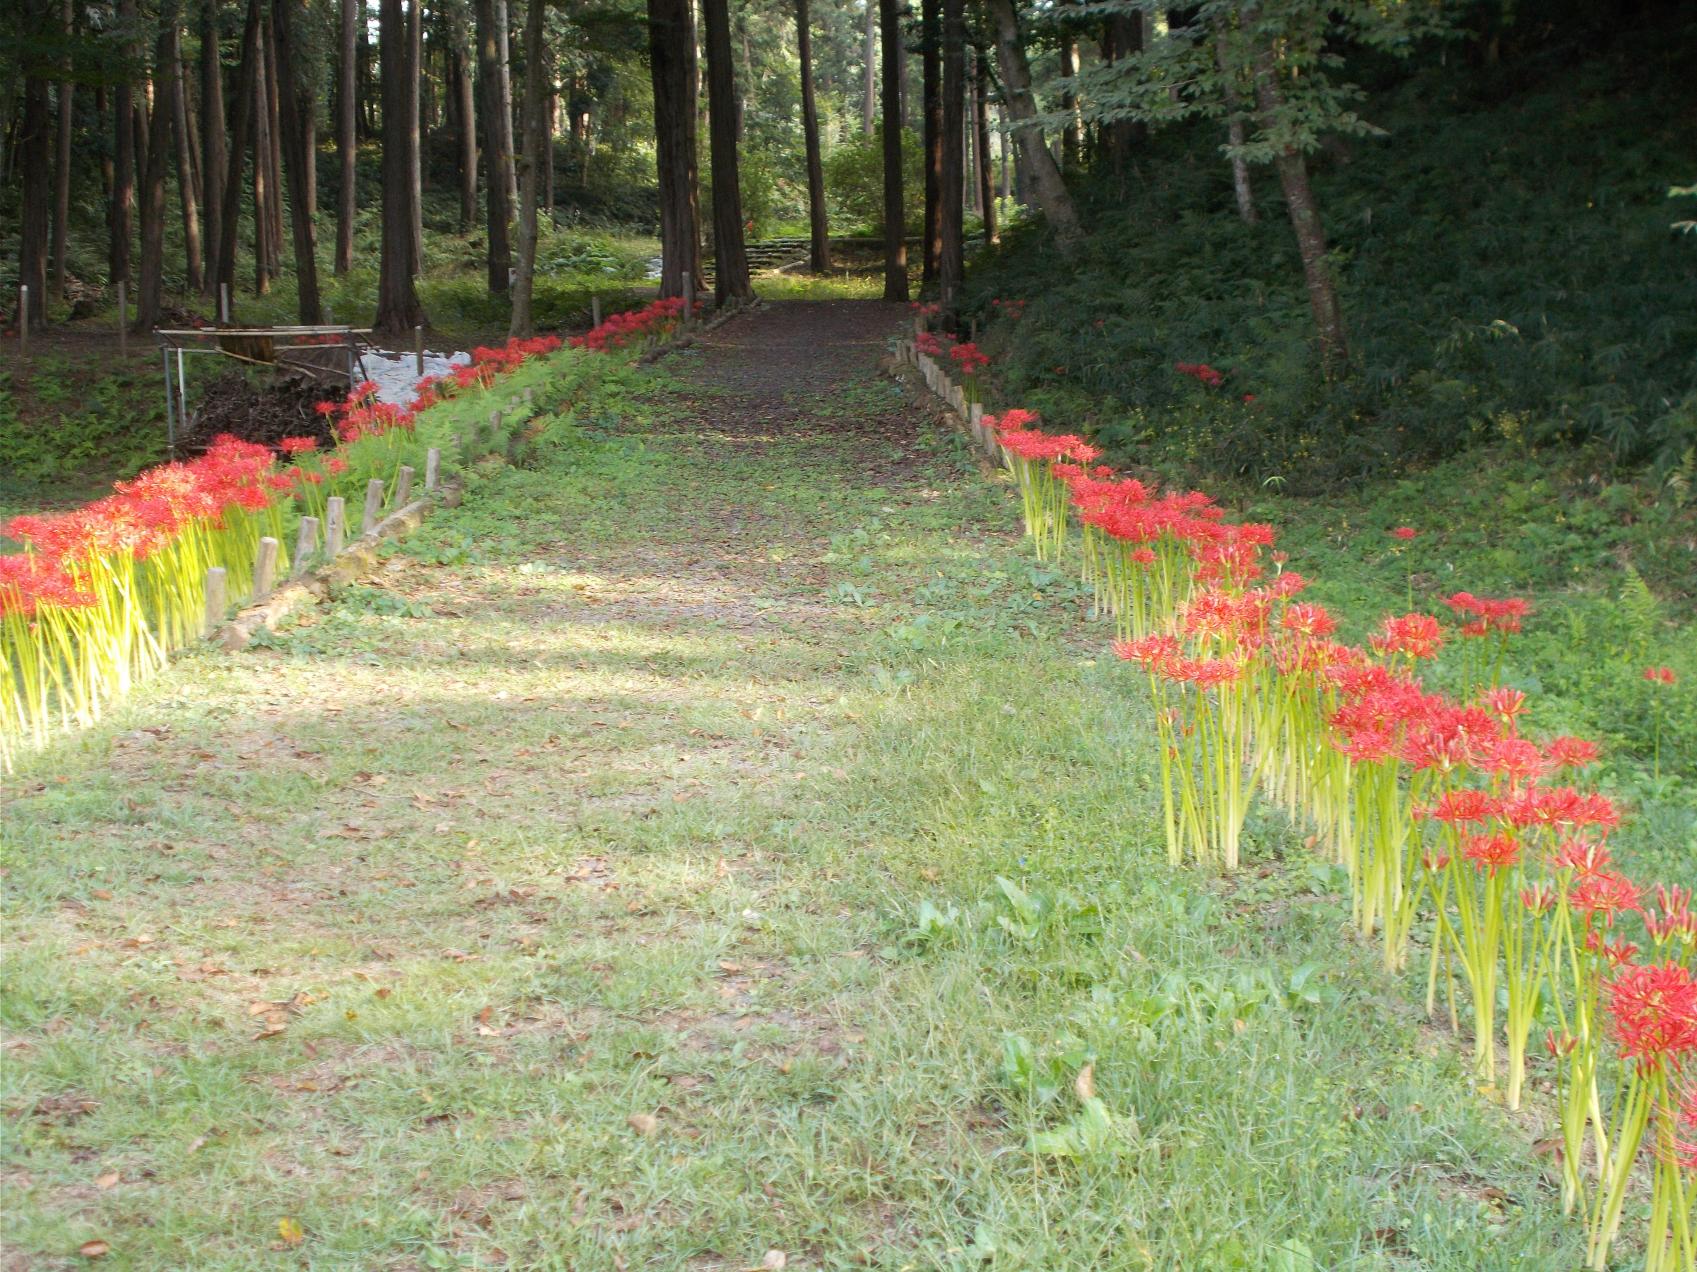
(618,794)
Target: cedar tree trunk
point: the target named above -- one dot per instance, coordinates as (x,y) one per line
(730,266)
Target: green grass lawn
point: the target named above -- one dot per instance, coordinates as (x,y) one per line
(717,836)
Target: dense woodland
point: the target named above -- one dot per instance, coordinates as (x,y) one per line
(1248,185)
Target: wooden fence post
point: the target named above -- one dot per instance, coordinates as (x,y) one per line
(418,348)
(217,599)
(23,321)
(123,320)
(432,467)
(335,525)
(306,542)
(265,567)
(373,505)
(594,311)
(224,304)
(403,485)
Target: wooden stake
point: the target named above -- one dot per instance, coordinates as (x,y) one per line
(123,320)
(432,467)
(373,505)
(418,348)
(403,486)
(335,525)
(217,600)
(224,304)
(595,311)
(306,543)
(23,321)
(265,567)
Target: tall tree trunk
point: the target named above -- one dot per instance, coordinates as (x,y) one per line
(366,112)
(981,128)
(1050,190)
(1007,168)
(869,95)
(496,159)
(1121,38)
(1305,221)
(185,168)
(398,310)
(241,128)
(503,24)
(212,132)
(415,174)
(264,262)
(671,47)
(1241,188)
(730,266)
(551,112)
(1070,135)
(535,131)
(123,165)
(951,260)
(150,291)
(62,166)
(895,216)
(819,253)
(274,153)
(298,159)
(468,124)
(347,130)
(930,32)
(35,148)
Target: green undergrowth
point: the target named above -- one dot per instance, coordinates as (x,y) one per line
(1507,264)
(685,849)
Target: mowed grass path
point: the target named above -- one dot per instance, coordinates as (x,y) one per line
(611,883)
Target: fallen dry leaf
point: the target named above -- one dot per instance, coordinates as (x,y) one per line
(94,1249)
(643,1123)
(291,1231)
(1085,1083)
(108,1180)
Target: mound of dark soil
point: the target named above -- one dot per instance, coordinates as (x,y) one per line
(264,413)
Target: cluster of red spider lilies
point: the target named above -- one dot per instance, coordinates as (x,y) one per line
(646,326)
(101,595)
(1452,824)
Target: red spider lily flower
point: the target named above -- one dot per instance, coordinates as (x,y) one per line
(1603,893)
(1417,635)
(1200,372)
(1660,675)
(1570,752)
(1506,704)
(1151,651)
(1539,898)
(1673,919)
(1581,855)
(1613,953)
(1565,1045)
(1310,620)
(1405,533)
(1434,860)
(1492,852)
(1461,808)
(1653,1014)
(1489,615)
(336,465)
(298,445)
(968,358)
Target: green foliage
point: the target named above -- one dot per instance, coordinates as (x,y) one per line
(1506,270)
(854,182)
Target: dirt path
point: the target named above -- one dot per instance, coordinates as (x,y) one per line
(610,883)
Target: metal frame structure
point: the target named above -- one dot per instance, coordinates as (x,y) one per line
(265,346)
